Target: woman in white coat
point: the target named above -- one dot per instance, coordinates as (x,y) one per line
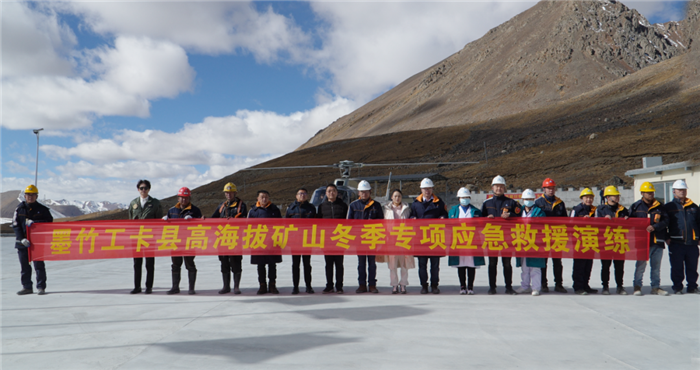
(466,265)
(395,210)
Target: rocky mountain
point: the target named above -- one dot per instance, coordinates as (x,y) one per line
(62,208)
(552,52)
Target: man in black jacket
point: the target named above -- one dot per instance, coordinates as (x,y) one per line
(233,207)
(26,214)
(301,208)
(552,207)
(684,237)
(500,206)
(612,209)
(333,208)
(650,208)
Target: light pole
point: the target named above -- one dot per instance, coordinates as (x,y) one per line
(36,170)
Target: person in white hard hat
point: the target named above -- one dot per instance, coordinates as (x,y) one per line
(365,208)
(684,237)
(428,205)
(396,210)
(500,206)
(531,276)
(466,265)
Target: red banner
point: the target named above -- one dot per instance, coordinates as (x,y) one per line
(591,238)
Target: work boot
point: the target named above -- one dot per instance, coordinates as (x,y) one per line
(329,289)
(591,291)
(658,291)
(581,292)
(434,289)
(606,291)
(226,276)
(339,290)
(41,291)
(511,291)
(424,290)
(638,291)
(545,289)
(361,289)
(560,289)
(696,291)
(295,290)
(621,291)
(192,275)
(309,290)
(236,283)
(492,291)
(149,290)
(135,291)
(25,291)
(373,289)
(273,288)
(263,288)
(176,284)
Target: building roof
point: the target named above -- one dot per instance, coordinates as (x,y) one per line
(687,165)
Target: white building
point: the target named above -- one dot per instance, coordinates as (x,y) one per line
(662,177)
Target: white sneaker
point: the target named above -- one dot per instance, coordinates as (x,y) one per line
(522,290)
(463,292)
(470,292)
(535,292)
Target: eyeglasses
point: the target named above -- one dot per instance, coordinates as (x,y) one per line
(143,188)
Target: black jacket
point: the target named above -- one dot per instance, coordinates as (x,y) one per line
(684,221)
(606,210)
(36,212)
(336,209)
(233,209)
(271,211)
(495,206)
(658,217)
(434,209)
(369,210)
(552,207)
(581,210)
(300,210)
(178,212)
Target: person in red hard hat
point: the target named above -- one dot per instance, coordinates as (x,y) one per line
(185,210)
(552,207)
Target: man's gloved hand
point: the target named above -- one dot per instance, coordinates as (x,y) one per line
(29,223)
(25,242)
(165,217)
(188,217)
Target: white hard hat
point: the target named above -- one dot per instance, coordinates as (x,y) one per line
(498,180)
(426,183)
(679,184)
(528,194)
(363,185)
(464,193)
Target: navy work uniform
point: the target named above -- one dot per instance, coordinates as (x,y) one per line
(684,232)
(495,206)
(366,210)
(269,211)
(301,210)
(432,208)
(582,267)
(178,212)
(617,211)
(36,212)
(552,207)
(231,264)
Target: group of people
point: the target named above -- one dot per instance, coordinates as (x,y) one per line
(676,224)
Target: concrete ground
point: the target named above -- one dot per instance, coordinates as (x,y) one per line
(89,321)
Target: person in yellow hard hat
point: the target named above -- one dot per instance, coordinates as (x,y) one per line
(612,209)
(232,207)
(26,213)
(582,267)
(649,207)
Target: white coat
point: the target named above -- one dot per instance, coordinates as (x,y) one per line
(406,262)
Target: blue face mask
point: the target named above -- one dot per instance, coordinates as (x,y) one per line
(464,201)
(529,203)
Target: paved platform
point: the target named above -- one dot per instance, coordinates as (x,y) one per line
(89,321)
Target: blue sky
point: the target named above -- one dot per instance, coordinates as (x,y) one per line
(185,93)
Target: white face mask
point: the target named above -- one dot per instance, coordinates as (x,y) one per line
(529,203)
(464,201)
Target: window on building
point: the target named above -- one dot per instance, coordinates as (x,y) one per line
(663,192)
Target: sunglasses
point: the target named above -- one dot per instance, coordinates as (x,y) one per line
(143,188)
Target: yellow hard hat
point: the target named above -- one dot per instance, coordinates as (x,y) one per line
(647,187)
(586,191)
(31,189)
(230,188)
(610,190)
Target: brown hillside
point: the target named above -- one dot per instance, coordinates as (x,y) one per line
(554,51)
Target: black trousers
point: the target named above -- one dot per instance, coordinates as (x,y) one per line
(271,273)
(231,263)
(150,271)
(177,264)
(582,273)
(619,272)
(296,261)
(26,270)
(556,264)
(463,273)
(507,271)
(336,261)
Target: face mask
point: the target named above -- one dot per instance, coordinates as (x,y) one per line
(465,201)
(529,203)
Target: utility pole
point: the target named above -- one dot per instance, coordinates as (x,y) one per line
(36,169)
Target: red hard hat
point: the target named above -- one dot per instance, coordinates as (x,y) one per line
(548,183)
(183,192)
